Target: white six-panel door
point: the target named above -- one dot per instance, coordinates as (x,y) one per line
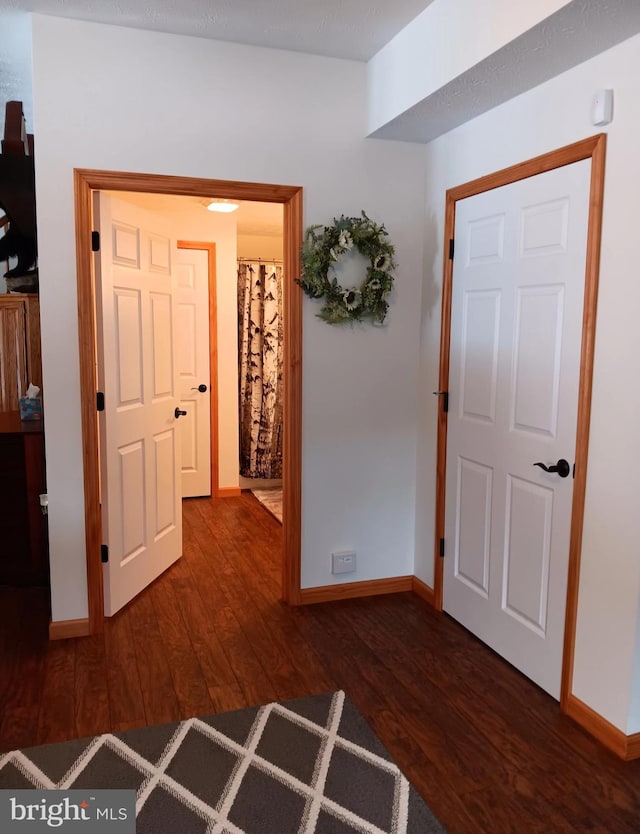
(192,282)
(140,445)
(518,284)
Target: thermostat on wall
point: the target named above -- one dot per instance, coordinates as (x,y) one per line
(602,107)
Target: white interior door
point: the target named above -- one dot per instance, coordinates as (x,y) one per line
(516,323)
(192,279)
(140,446)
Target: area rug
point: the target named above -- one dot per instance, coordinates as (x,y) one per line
(307,766)
(271,499)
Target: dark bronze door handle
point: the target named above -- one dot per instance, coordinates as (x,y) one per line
(178,413)
(202,388)
(561,468)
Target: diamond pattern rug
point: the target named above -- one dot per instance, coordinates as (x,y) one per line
(307,766)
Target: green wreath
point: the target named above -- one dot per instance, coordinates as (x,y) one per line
(324,246)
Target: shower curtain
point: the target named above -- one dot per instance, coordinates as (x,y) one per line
(260,330)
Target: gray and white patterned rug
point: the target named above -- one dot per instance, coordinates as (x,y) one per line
(271,500)
(307,766)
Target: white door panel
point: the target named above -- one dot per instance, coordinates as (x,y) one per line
(192,274)
(140,445)
(516,324)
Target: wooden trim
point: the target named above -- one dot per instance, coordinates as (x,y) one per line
(627,747)
(633,747)
(592,272)
(86,181)
(292,440)
(34,344)
(187,186)
(210,249)
(351,590)
(591,148)
(88,388)
(443,385)
(423,591)
(228,492)
(567,155)
(64,629)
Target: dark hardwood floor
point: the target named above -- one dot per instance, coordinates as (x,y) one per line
(487,749)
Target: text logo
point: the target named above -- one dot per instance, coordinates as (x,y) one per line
(34,812)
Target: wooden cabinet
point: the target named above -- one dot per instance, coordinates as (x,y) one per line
(24,556)
(23,529)
(20,356)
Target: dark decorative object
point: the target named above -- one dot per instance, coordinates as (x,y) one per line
(17,199)
(16,245)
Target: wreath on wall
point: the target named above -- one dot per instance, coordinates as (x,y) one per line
(324,246)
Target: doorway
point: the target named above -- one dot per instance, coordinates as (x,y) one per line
(479,476)
(290,197)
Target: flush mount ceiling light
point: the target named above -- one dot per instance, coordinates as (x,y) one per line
(222,205)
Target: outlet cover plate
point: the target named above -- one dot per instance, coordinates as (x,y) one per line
(343,561)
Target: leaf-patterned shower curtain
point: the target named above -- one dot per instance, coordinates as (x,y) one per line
(260,360)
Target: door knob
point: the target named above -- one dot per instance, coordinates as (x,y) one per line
(202,388)
(561,468)
(179,413)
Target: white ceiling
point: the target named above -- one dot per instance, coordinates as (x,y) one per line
(355,29)
(253,218)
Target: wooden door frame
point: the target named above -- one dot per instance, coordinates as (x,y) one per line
(210,249)
(85,182)
(592,148)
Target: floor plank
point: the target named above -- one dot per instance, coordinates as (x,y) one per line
(159,697)
(57,708)
(188,681)
(488,750)
(91,702)
(126,701)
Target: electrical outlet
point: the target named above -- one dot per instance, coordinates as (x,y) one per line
(343,562)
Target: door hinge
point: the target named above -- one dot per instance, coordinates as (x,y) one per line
(445,402)
(451,248)
(442,548)
(104,553)
(95,241)
(100,401)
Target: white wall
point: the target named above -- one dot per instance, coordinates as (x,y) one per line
(546,118)
(634,702)
(116,98)
(260,246)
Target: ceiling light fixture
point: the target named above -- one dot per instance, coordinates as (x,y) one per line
(223,206)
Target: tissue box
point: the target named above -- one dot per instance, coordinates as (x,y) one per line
(30,409)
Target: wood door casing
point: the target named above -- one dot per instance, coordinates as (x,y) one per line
(513,390)
(594,148)
(86,181)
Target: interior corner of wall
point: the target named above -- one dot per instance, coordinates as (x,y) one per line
(633,718)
